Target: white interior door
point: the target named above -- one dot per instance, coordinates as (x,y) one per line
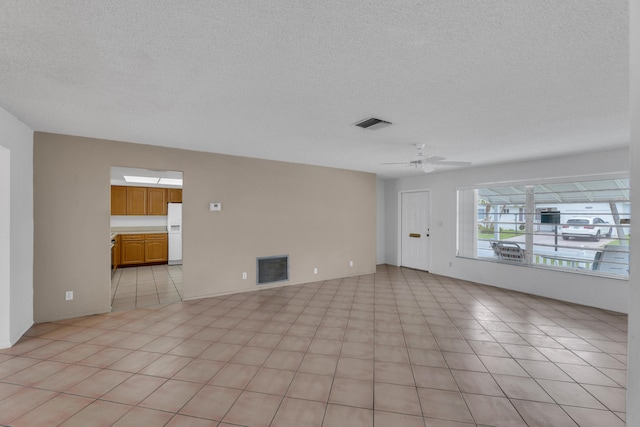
(415,230)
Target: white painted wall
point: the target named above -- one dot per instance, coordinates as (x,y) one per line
(5,247)
(633,362)
(583,289)
(16,231)
(380,202)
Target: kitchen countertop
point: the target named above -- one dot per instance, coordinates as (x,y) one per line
(137,230)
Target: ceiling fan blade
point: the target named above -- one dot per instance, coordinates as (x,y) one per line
(446,163)
(433,159)
(401,163)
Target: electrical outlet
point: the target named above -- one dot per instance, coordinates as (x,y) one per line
(244,275)
(68,296)
(350,263)
(315,271)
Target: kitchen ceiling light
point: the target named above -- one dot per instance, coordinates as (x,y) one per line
(142,179)
(170,181)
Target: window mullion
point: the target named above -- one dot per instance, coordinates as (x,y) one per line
(528,225)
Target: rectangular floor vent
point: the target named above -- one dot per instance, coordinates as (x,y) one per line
(272,269)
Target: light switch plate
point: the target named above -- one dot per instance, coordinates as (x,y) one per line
(215,206)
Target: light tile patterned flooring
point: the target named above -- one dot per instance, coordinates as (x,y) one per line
(135,287)
(398,348)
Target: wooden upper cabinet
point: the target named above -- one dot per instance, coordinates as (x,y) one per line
(175,195)
(118,200)
(142,200)
(137,200)
(157,201)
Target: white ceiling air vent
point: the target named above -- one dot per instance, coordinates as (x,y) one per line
(372,123)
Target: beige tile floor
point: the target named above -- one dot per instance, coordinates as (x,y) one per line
(397,348)
(134,287)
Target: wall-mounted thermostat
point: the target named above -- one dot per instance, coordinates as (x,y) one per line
(215,206)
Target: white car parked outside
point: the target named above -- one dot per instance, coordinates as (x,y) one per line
(584,226)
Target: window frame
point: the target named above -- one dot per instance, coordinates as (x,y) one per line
(465,243)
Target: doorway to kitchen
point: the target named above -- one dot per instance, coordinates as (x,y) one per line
(134,287)
(146,237)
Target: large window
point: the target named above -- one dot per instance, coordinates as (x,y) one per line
(581,226)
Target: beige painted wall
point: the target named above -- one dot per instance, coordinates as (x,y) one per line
(320,217)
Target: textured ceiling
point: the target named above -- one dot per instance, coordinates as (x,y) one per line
(481,81)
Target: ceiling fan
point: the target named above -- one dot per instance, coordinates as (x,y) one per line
(427,164)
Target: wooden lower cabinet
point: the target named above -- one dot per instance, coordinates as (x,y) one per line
(156,248)
(138,249)
(115,252)
(132,249)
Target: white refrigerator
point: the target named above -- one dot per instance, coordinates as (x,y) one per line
(174,229)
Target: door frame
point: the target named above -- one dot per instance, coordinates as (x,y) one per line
(399,225)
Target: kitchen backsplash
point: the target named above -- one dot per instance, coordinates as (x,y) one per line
(138,221)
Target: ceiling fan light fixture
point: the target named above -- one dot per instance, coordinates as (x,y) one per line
(428,168)
(372,123)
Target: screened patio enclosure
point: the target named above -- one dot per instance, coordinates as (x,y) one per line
(583,226)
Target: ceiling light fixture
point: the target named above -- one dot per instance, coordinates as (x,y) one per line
(142,179)
(170,181)
(427,168)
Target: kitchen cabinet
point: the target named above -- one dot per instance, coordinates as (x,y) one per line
(157,201)
(137,249)
(175,195)
(137,200)
(155,248)
(142,200)
(115,253)
(118,200)
(132,249)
